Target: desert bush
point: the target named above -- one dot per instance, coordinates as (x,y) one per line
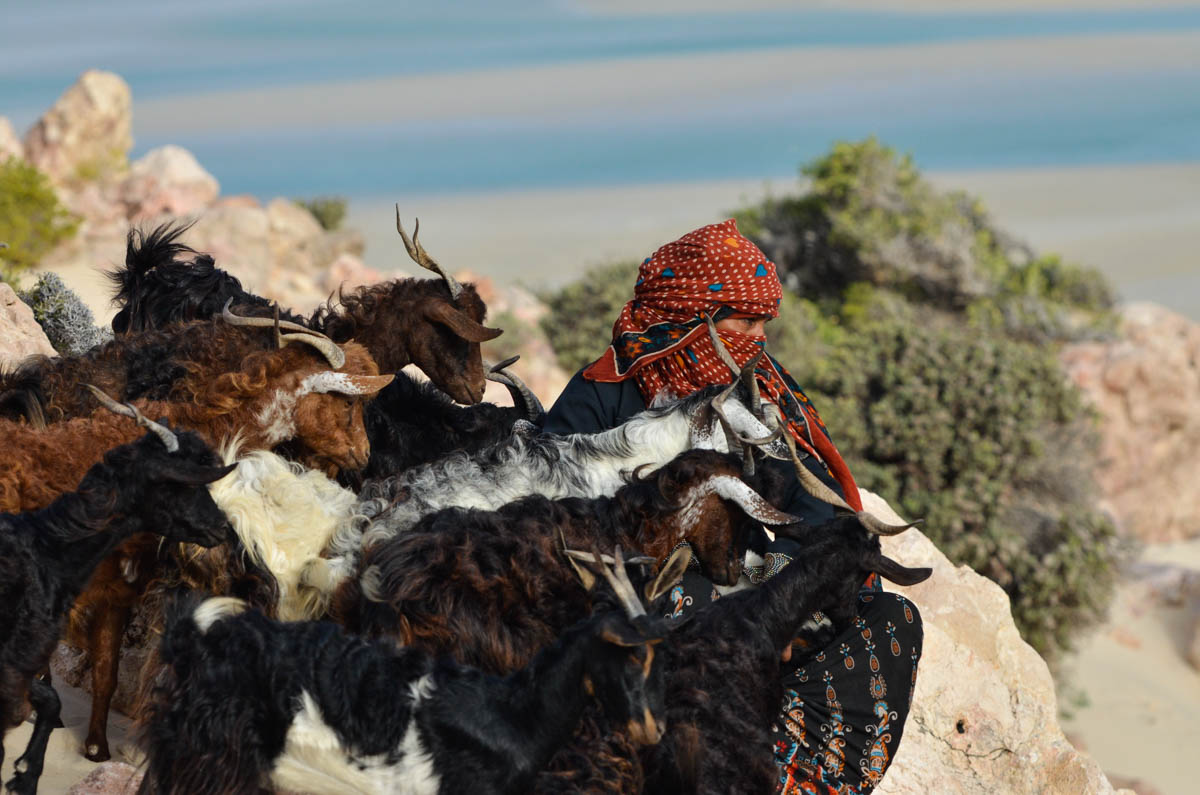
(579,323)
(63,316)
(329,211)
(983,437)
(31,219)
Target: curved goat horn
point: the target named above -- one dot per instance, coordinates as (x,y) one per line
(817,488)
(522,395)
(168,438)
(328,348)
(420,256)
(262,322)
(722,352)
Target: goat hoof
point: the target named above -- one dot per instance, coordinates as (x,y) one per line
(97,753)
(22,784)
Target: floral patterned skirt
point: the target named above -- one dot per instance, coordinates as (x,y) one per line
(844,705)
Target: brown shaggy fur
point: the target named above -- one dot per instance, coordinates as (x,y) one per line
(41,464)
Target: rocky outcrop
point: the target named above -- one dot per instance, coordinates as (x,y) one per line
(1146,388)
(984,714)
(83,143)
(20,334)
(10,144)
(88,133)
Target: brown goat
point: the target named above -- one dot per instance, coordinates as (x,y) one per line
(290,394)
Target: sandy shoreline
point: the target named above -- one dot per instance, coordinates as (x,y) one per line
(1140,225)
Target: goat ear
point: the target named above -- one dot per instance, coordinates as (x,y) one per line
(459,322)
(671,573)
(622,633)
(756,507)
(901,575)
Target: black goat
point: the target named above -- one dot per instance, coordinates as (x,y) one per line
(47,557)
(723,666)
(244,699)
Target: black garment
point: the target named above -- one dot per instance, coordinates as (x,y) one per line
(844,706)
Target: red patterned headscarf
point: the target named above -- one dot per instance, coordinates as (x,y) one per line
(661,338)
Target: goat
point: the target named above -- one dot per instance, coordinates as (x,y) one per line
(436,324)
(281,395)
(155,484)
(582,465)
(733,646)
(489,587)
(244,700)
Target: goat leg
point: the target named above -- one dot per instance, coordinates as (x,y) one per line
(28,766)
(104,644)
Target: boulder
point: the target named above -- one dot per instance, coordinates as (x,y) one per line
(20,334)
(1146,388)
(167,180)
(294,233)
(10,144)
(88,132)
(984,717)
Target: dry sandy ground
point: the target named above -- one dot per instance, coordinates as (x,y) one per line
(65,764)
(1140,694)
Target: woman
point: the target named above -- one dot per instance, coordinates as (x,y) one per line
(845,703)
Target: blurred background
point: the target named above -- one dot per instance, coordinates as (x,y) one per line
(987,215)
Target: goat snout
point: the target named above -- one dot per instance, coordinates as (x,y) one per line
(648,730)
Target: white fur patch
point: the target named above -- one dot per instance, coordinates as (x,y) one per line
(213,610)
(278,418)
(315,761)
(286,516)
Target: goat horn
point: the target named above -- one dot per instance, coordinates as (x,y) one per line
(420,256)
(169,440)
(722,351)
(618,578)
(522,395)
(328,348)
(815,487)
(262,322)
(585,576)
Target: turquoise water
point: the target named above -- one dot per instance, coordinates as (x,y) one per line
(998,121)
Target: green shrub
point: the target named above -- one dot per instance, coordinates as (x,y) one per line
(579,323)
(31,219)
(63,316)
(984,438)
(329,211)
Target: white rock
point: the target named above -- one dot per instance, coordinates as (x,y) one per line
(20,334)
(984,714)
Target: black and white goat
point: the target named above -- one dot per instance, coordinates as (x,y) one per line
(245,701)
(157,484)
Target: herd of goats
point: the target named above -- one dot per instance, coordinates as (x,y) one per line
(374,583)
